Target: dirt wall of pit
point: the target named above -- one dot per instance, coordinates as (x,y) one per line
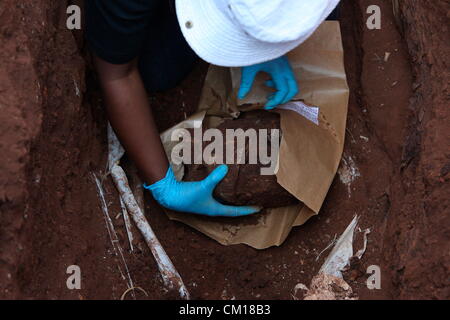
(418,224)
(52,137)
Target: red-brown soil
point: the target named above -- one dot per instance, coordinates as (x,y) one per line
(53,137)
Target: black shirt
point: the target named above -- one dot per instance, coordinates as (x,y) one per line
(120,30)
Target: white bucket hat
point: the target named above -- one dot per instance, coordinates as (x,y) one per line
(237,33)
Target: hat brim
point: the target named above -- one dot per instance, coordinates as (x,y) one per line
(215,38)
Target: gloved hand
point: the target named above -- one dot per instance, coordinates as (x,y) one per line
(283,80)
(195,197)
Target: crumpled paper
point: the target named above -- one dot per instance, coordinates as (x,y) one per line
(310,151)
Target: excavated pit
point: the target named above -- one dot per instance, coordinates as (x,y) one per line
(394,174)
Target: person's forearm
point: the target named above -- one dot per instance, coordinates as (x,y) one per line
(131,118)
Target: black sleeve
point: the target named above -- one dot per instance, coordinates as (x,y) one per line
(116,29)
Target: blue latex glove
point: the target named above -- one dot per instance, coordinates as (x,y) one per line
(283,80)
(196,197)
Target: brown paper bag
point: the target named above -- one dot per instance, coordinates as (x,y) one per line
(309,153)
